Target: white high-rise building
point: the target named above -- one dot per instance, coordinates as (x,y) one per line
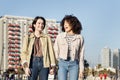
(12,31)
(106,57)
(116,58)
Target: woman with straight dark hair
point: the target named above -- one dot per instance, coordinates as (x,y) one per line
(37,53)
(69,49)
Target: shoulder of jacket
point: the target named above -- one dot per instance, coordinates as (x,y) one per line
(61,34)
(26,35)
(79,36)
(46,35)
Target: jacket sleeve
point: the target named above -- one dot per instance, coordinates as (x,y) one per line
(51,52)
(81,65)
(56,48)
(24,52)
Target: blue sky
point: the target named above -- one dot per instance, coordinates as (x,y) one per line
(100,19)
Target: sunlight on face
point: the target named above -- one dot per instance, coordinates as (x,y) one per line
(67,27)
(39,25)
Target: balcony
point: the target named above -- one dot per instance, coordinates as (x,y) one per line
(11,38)
(50,28)
(50,32)
(17,42)
(11,50)
(17,46)
(16,29)
(30,26)
(10,33)
(56,33)
(16,55)
(10,25)
(56,29)
(10,29)
(17,38)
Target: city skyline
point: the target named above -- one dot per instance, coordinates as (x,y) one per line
(100,19)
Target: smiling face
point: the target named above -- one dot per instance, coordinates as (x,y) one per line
(67,27)
(39,25)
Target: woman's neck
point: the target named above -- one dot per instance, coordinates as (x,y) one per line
(37,33)
(70,33)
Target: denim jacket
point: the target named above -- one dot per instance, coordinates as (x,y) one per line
(77,47)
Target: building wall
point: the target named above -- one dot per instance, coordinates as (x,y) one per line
(106,57)
(1,44)
(5,45)
(116,58)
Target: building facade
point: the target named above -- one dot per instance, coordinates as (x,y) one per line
(116,58)
(106,57)
(13,29)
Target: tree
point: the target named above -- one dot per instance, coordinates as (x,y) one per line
(86,69)
(86,64)
(99,66)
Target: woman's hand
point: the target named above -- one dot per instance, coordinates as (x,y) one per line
(27,71)
(81,75)
(52,71)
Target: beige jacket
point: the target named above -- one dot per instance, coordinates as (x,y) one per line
(77,45)
(47,50)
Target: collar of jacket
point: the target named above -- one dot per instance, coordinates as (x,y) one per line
(76,35)
(32,35)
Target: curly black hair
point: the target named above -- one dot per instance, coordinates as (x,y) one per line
(73,22)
